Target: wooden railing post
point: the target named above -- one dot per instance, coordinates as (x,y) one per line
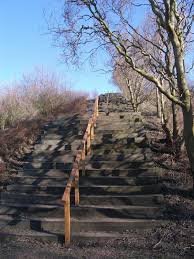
(67,218)
(97,103)
(77,187)
(83,157)
(84,150)
(88,145)
(74,176)
(92,129)
(89,138)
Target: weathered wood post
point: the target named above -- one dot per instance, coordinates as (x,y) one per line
(89,138)
(83,156)
(92,128)
(97,103)
(67,219)
(76,166)
(77,187)
(74,176)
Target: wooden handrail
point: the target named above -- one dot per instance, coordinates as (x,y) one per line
(73,180)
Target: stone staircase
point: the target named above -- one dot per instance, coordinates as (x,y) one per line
(120,188)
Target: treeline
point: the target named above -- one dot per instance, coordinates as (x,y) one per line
(143,96)
(149,41)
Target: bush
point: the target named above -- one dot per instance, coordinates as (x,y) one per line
(38,95)
(27,105)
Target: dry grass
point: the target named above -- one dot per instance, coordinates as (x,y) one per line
(26,106)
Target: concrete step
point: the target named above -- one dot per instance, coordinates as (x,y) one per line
(119,164)
(24,198)
(87,190)
(86,181)
(136,200)
(121,115)
(54,150)
(44,172)
(48,147)
(56,225)
(83,211)
(110,150)
(117,125)
(117,200)
(113,141)
(89,165)
(118,147)
(41,180)
(62,136)
(138,141)
(68,158)
(143,171)
(48,165)
(131,181)
(133,156)
(118,130)
(119,135)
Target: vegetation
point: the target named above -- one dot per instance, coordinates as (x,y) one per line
(157,50)
(26,106)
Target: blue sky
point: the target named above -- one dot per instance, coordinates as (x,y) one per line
(25,45)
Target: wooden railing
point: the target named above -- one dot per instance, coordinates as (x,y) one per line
(78,165)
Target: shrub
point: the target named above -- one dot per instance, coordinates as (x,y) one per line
(26,106)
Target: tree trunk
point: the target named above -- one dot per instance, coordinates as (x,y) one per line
(189,137)
(175,133)
(162,108)
(158,103)
(132,99)
(174,119)
(164,120)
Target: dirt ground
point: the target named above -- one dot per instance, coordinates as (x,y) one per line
(173,241)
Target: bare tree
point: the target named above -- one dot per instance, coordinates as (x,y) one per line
(107,24)
(135,88)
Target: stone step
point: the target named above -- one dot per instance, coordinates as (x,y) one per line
(133,156)
(44,172)
(136,200)
(116,125)
(88,190)
(51,146)
(83,211)
(132,138)
(24,198)
(115,200)
(56,225)
(89,165)
(118,164)
(87,181)
(118,130)
(110,150)
(48,165)
(119,147)
(62,136)
(119,135)
(147,171)
(143,171)
(113,141)
(64,151)
(123,115)
(68,158)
